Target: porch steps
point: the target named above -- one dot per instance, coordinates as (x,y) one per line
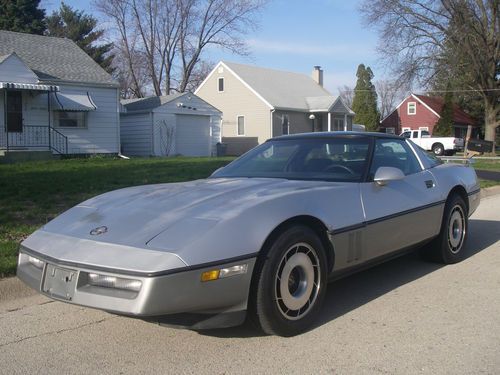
(17,156)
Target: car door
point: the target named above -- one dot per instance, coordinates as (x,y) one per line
(403,212)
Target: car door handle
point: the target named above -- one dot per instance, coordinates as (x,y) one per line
(430,184)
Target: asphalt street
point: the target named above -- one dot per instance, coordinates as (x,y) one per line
(403,317)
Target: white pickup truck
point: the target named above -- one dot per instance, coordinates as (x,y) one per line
(438,145)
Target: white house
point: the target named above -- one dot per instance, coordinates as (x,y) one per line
(54,97)
(181,124)
(259,103)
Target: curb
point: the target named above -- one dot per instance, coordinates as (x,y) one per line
(490,191)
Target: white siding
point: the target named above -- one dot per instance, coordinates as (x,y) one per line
(136,134)
(339,107)
(215,122)
(102,134)
(237,100)
(164,133)
(193,135)
(13,69)
(157,132)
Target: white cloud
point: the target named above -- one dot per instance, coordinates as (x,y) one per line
(340,51)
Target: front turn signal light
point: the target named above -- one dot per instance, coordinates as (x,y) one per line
(224,272)
(210,275)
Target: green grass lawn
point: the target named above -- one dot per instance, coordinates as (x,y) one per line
(487,165)
(32,193)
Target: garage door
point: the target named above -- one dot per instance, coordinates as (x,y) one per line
(193,135)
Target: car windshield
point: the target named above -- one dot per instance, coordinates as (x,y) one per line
(342,159)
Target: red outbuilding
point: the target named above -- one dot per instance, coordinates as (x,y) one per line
(420,112)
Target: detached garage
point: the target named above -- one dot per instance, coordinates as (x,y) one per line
(181,124)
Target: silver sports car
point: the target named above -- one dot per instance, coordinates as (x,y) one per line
(261,237)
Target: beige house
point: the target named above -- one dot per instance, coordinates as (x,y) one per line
(259,103)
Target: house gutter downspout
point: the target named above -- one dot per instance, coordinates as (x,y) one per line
(271,122)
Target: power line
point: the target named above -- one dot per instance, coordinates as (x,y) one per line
(444,91)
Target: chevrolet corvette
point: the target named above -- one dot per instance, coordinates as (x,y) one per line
(261,238)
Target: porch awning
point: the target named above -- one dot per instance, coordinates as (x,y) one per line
(72,102)
(28,86)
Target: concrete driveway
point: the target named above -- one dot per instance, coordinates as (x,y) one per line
(405,316)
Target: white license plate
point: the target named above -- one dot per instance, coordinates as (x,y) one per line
(60,282)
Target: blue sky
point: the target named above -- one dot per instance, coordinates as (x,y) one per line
(295,35)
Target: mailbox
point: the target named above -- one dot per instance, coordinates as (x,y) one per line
(478,145)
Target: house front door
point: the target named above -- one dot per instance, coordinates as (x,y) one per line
(14,112)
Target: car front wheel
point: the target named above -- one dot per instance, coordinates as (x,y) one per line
(290,283)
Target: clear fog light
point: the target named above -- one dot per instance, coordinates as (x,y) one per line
(35,262)
(105,281)
(234,270)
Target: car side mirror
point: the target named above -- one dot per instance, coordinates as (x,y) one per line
(384,175)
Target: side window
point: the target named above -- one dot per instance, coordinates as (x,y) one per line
(220,84)
(415,134)
(406,134)
(394,153)
(284,125)
(412,108)
(241,125)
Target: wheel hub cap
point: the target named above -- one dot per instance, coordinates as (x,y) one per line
(297,281)
(456,229)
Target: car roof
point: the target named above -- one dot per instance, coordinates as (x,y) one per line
(336,134)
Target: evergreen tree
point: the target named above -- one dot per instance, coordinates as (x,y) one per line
(364,103)
(445,123)
(23,16)
(81,28)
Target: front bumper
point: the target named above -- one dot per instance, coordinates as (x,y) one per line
(169,294)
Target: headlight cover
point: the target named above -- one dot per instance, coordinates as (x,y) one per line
(113,282)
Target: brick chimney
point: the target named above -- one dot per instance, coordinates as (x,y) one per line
(317,75)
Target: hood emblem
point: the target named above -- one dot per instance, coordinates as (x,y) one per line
(99,230)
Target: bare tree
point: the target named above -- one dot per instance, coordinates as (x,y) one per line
(422,38)
(390,93)
(346,94)
(219,23)
(119,12)
(172,35)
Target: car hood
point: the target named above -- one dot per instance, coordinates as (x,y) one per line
(159,227)
(135,216)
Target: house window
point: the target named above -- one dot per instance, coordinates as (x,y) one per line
(412,108)
(220,84)
(70,119)
(390,130)
(285,125)
(241,125)
(14,111)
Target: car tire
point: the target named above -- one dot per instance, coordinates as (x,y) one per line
(448,246)
(438,149)
(289,283)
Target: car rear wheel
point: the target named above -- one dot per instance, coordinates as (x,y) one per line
(448,246)
(289,283)
(438,149)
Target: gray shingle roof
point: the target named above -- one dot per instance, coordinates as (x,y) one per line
(53,59)
(143,104)
(283,90)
